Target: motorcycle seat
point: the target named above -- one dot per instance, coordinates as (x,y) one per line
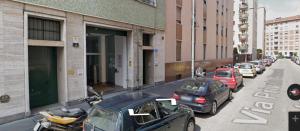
(76,112)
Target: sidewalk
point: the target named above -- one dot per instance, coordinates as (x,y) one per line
(27,124)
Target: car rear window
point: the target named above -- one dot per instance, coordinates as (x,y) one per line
(223,74)
(103,119)
(246,66)
(255,63)
(194,86)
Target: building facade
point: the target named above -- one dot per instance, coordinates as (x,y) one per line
(213,36)
(261,21)
(282,37)
(51,50)
(245,28)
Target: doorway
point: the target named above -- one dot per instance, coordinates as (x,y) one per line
(43,85)
(148,67)
(106,59)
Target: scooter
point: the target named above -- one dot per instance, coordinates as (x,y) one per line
(67,119)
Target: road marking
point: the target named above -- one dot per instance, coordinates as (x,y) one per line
(255,118)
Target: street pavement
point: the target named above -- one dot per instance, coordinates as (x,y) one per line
(261,105)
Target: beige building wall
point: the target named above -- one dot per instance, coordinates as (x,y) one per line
(176,69)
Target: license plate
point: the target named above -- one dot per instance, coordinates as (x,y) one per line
(224,81)
(186,98)
(37,126)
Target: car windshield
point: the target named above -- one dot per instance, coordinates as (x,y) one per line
(103,119)
(255,63)
(223,74)
(194,86)
(246,66)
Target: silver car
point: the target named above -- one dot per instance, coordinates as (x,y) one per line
(259,66)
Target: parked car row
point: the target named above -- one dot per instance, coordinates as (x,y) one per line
(206,94)
(296,60)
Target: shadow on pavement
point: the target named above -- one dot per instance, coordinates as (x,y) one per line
(197,128)
(207,115)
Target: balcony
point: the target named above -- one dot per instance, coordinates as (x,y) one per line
(178,32)
(243,6)
(243,16)
(243,37)
(243,27)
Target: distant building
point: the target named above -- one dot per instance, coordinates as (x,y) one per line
(213,36)
(261,21)
(282,36)
(245,28)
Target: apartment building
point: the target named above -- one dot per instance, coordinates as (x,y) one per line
(245,29)
(51,50)
(282,36)
(261,21)
(213,36)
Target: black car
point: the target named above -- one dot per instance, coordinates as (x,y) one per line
(203,95)
(137,111)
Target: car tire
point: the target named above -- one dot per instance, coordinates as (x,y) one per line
(214,108)
(190,126)
(230,97)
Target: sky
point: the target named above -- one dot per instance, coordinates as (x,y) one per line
(280,8)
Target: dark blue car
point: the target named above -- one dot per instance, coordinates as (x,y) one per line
(203,95)
(113,114)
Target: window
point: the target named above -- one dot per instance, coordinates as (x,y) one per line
(43,29)
(226,32)
(178,51)
(204,28)
(147,39)
(221,52)
(204,51)
(217,29)
(149,2)
(148,108)
(204,1)
(166,108)
(226,52)
(217,53)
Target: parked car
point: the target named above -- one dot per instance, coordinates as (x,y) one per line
(114,114)
(210,75)
(203,95)
(267,62)
(247,70)
(236,65)
(259,66)
(229,76)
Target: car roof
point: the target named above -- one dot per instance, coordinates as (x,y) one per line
(126,101)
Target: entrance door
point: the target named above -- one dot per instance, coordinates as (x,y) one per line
(148,67)
(42,76)
(93,58)
(110,59)
(120,61)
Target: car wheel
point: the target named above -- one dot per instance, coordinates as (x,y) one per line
(230,97)
(190,125)
(213,110)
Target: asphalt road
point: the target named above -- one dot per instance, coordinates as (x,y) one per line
(261,105)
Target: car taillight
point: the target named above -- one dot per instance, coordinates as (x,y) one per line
(200,100)
(176,97)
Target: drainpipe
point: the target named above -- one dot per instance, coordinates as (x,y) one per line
(193,39)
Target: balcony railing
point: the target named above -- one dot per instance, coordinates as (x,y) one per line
(243,26)
(243,37)
(243,16)
(243,6)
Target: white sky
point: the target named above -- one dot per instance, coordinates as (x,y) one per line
(280,8)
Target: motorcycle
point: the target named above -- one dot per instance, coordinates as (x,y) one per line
(67,119)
